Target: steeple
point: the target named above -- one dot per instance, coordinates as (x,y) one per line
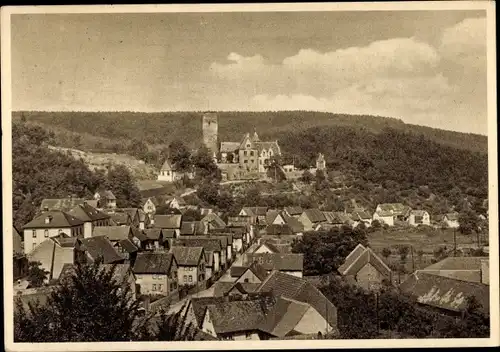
(255,137)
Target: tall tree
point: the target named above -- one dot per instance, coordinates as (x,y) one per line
(123,186)
(204,164)
(36,274)
(180,156)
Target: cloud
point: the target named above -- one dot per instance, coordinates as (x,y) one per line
(399,77)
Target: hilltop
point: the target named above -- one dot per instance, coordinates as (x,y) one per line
(106,131)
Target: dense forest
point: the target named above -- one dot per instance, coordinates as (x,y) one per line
(100,130)
(369,159)
(38,173)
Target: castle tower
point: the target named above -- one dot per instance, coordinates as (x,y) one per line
(210,131)
(320,162)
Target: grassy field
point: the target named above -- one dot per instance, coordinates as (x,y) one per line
(426,240)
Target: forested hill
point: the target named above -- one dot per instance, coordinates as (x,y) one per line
(106,128)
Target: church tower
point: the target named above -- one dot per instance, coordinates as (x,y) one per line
(210,127)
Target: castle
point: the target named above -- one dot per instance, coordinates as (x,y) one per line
(247,159)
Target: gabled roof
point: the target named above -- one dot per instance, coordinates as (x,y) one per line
(229,147)
(121,271)
(271,246)
(192,228)
(167,166)
(276,261)
(62,204)
(199,305)
(108,195)
(283,317)
(292,287)
(152,233)
(168,221)
(237,316)
(271,215)
(279,230)
(228,237)
(361,215)
(209,244)
(295,225)
(129,246)
(294,210)
(153,263)
(359,259)
(87,213)
(237,271)
(168,233)
(119,217)
(444,292)
(99,246)
(113,233)
(394,208)
(314,215)
(187,256)
(255,211)
(258,270)
(132,212)
(458,263)
(152,199)
(179,200)
(52,255)
(418,212)
(214,221)
(58,219)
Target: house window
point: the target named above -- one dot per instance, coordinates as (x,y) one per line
(251,153)
(245,153)
(190,278)
(248,335)
(154,287)
(185,278)
(252,161)
(245,161)
(248,145)
(159,288)
(34,234)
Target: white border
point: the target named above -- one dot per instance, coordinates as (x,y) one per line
(246,345)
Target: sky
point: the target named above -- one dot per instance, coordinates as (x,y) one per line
(423,67)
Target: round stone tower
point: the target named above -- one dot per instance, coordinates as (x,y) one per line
(210,131)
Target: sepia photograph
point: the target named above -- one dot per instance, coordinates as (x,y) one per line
(294,175)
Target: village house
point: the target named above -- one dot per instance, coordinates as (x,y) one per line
(291,264)
(169,222)
(274,217)
(259,213)
(473,269)
(63,204)
(191,265)
(115,234)
(419,217)
(322,314)
(253,274)
(53,253)
(269,246)
(451,220)
(213,222)
(366,268)
(226,239)
(156,273)
(91,218)
(209,245)
(335,219)
(293,211)
(149,205)
(154,240)
(169,173)
(311,218)
(389,213)
(445,294)
(50,224)
(97,248)
(193,228)
(105,199)
(175,202)
(137,217)
(361,217)
(232,288)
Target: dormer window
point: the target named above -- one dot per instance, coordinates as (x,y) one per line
(48,219)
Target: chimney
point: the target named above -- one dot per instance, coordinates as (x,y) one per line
(48,219)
